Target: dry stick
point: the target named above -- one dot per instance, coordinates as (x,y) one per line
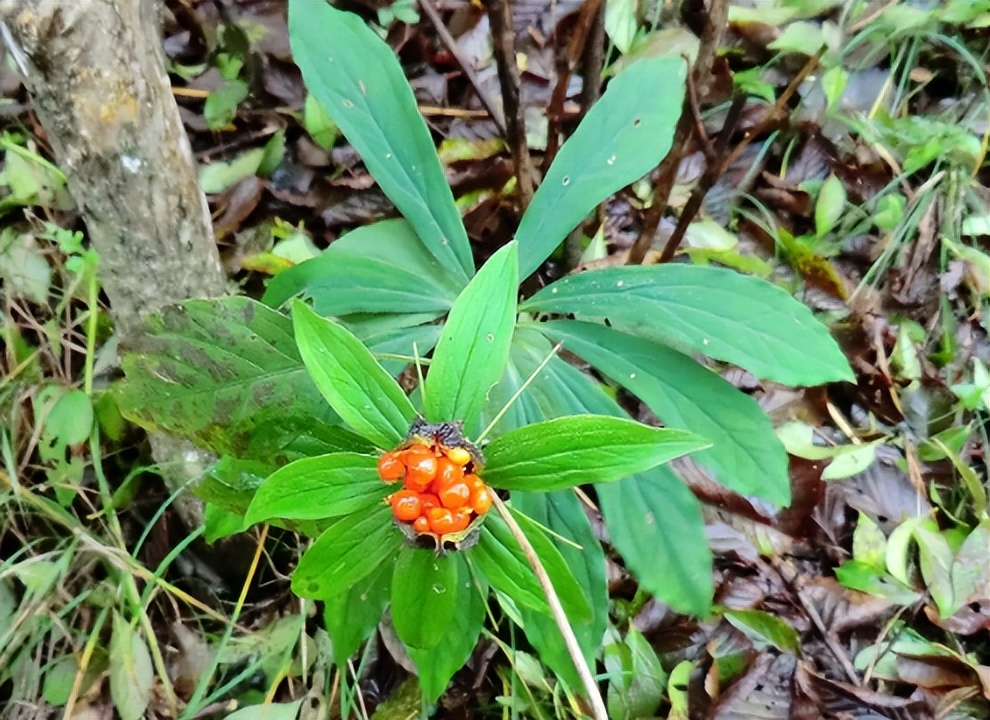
(559,617)
(455,50)
(715,166)
(504,47)
(566,61)
(716,19)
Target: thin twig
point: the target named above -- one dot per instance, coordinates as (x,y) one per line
(559,617)
(455,50)
(566,60)
(716,19)
(504,48)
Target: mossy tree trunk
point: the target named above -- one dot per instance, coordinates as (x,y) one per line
(96,73)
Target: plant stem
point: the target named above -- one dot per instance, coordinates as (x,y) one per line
(504,47)
(559,617)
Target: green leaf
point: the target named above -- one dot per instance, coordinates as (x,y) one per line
(562,514)
(765,627)
(716,312)
(131,674)
(970,569)
(437,666)
(268,711)
(745,455)
(580,449)
(219,522)
(830,206)
(319,487)
(357,79)
(935,557)
(425,596)
(636,678)
(347,551)
(623,136)
(351,616)
(503,562)
(379,268)
(474,347)
(227,375)
(356,386)
(656,524)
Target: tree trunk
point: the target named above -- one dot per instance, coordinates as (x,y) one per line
(96,73)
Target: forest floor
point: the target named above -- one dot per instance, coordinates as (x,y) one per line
(855,176)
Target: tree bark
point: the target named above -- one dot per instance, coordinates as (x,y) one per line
(96,72)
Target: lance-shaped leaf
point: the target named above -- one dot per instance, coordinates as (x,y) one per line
(357,79)
(623,136)
(347,551)
(437,666)
(503,563)
(356,386)
(474,347)
(580,449)
(655,522)
(713,311)
(352,616)
(745,456)
(319,487)
(425,596)
(379,268)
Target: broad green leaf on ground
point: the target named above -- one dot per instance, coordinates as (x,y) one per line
(636,678)
(766,628)
(561,513)
(435,668)
(348,550)
(623,136)
(268,711)
(656,524)
(131,674)
(474,347)
(935,558)
(713,311)
(223,373)
(357,79)
(365,396)
(971,567)
(425,595)
(580,449)
(319,487)
(745,455)
(352,616)
(379,268)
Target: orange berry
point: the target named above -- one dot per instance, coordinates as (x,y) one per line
(459,456)
(455,495)
(441,520)
(481,500)
(421,467)
(390,467)
(474,482)
(406,505)
(462,518)
(448,472)
(428,501)
(421,524)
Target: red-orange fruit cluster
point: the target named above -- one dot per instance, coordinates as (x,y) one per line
(441,494)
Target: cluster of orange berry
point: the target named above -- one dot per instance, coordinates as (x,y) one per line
(441,494)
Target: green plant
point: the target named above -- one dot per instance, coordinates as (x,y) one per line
(240,378)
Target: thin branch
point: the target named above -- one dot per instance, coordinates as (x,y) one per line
(455,50)
(504,47)
(716,19)
(559,617)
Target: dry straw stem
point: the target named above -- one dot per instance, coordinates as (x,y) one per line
(559,617)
